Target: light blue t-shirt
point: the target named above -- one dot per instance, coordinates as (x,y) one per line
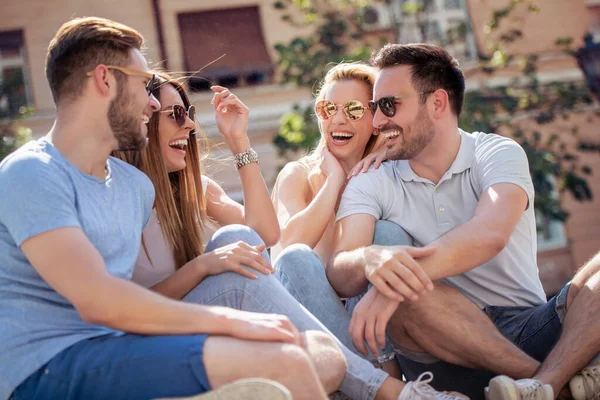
(40,190)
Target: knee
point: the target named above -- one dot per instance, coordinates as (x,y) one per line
(299,259)
(293,358)
(233,233)
(328,358)
(388,233)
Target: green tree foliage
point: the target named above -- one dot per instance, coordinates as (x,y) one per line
(14,100)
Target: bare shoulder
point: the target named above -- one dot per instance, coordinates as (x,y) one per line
(293,176)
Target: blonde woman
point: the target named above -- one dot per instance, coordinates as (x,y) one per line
(307,193)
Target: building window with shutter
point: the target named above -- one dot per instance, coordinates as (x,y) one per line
(236,32)
(14,88)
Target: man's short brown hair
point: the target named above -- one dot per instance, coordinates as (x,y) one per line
(79,46)
(432,68)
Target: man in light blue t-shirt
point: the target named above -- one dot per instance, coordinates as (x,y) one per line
(466,303)
(72,325)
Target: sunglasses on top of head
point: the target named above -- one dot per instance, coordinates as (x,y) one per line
(387,104)
(179,114)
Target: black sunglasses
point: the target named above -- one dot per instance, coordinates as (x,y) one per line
(387,104)
(353,109)
(179,114)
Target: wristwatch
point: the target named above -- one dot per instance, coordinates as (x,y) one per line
(247,157)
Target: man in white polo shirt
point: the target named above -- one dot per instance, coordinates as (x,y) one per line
(469,305)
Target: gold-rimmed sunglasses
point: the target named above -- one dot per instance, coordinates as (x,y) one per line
(353,109)
(152,82)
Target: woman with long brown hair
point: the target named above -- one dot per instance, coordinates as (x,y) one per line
(189,206)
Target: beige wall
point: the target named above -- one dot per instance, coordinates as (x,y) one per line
(41,19)
(557,18)
(274,30)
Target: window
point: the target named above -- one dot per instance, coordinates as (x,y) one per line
(550,233)
(452,4)
(207,35)
(13,74)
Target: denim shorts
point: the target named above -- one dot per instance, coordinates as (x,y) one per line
(122,367)
(533,329)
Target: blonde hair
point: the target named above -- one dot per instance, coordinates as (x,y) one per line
(180,202)
(354,71)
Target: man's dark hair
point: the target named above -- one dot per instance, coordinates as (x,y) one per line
(432,68)
(79,46)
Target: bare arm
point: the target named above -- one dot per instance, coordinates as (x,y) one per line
(177,285)
(346,267)
(258,213)
(235,257)
(399,272)
(303,220)
(72,266)
(482,237)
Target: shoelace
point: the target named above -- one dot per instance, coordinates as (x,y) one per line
(530,391)
(421,387)
(591,382)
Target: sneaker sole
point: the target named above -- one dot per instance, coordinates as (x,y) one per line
(502,388)
(245,389)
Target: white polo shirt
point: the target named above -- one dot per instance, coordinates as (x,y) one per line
(427,211)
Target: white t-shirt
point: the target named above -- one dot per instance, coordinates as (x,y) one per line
(427,211)
(148,273)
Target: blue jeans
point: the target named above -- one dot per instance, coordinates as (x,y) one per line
(265,294)
(302,273)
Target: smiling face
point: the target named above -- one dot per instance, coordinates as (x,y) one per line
(347,138)
(411,129)
(130,111)
(173,139)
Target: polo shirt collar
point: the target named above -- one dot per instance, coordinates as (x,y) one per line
(462,162)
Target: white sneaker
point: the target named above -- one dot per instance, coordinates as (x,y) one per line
(244,389)
(420,390)
(505,388)
(586,384)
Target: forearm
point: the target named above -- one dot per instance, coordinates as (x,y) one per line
(182,281)
(465,247)
(259,213)
(346,272)
(308,225)
(125,306)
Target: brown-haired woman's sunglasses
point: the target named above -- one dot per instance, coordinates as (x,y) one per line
(179,114)
(353,109)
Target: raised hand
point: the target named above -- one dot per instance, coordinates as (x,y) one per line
(331,167)
(231,116)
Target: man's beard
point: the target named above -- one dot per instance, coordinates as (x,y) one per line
(126,126)
(421,133)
